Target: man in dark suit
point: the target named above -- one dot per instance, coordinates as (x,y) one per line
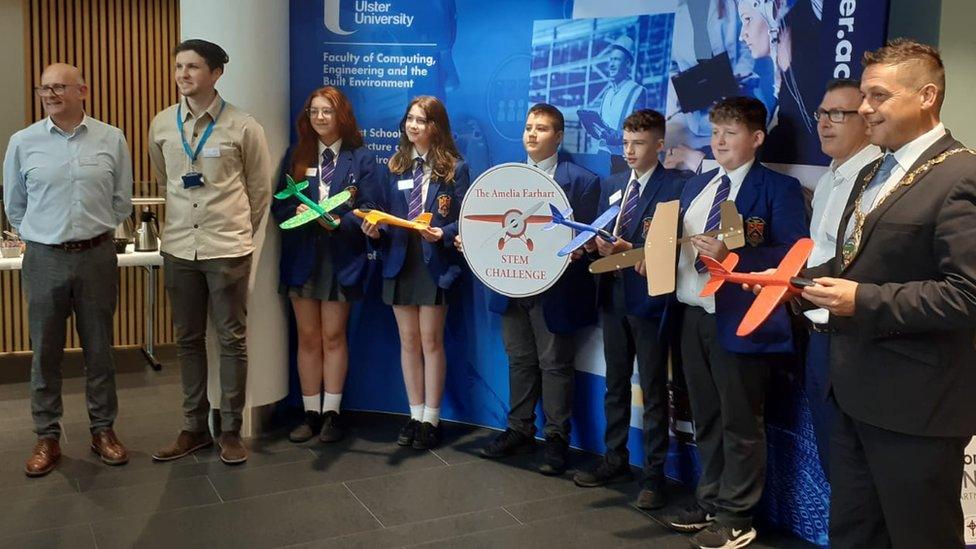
(901,293)
(631,319)
(727,375)
(538,331)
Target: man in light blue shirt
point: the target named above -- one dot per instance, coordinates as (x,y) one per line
(67,185)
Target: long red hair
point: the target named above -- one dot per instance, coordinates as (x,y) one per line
(443,154)
(306,152)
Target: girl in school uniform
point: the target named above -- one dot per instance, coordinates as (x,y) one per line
(322,267)
(427,174)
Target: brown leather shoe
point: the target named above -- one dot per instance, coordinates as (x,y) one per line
(47,452)
(186,443)
(108,447)
(232,450)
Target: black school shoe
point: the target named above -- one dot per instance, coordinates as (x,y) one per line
(604,473)
(331,427)
(508,443)
(308,429)
(427,436)
(555,454)
(408,432)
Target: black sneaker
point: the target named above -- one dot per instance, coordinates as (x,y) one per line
(691,519)
(331,427)
(427,436)
(509,443)
(650,500)
(408,433)
(604,473)
(554,457)
(308,428)
(720,536)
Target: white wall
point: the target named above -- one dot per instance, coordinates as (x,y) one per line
(12,69)
(957,41)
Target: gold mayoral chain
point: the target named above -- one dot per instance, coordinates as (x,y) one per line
(851,246)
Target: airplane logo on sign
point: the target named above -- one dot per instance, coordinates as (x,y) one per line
(514,224)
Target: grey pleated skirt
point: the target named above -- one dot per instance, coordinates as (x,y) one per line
(323,284)
(413,285)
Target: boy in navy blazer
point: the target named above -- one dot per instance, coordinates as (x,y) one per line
(632,320)
(726,374)
(538,331)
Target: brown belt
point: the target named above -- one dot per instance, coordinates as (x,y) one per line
(81,245)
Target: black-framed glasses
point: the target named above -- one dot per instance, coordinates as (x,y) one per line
(315,113)
(53,89)
(836,116)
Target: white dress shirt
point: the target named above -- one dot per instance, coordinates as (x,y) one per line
(829,199)
(548,165)
(906,156)
(425,183)
(690,282)
(641,183)
(336,147)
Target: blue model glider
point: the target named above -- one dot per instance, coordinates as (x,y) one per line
(585,232)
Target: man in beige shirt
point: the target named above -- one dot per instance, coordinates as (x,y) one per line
(213,160)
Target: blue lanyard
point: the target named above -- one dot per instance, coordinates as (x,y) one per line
(193,154)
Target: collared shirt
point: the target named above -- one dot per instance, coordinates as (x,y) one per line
(548,165)
(619,100)
(829,199)
(425,183)
(690,282)
(336,146)
(906,156)
(61,187)
(219,218)
(641,184)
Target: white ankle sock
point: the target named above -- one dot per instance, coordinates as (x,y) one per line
(331,402)
(417,412)
(432,416)
(312,403)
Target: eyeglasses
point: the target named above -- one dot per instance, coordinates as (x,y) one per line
(836,116)
(53,89)
(417,120)
(315,113)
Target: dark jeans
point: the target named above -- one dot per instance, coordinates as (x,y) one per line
(539,362)
(59,283)
(728,395)
(823,408)
(220,287)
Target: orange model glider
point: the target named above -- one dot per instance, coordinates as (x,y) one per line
(776,286)
(376,217)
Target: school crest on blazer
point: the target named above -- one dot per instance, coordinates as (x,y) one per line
(353,191)
(755,231)
(645,226)
(443,204)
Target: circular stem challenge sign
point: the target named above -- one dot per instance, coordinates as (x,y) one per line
(505,228)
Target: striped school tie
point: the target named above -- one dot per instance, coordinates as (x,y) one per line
(715,215)
(326,171)
(630,208)
(417,194)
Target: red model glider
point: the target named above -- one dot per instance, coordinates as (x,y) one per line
(775,286)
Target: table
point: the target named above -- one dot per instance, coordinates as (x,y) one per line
(151,261)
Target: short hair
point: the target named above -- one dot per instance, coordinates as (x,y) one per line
(645,120)
(843,83)
(748,110)
(924,63)
(558,122)
(214,55)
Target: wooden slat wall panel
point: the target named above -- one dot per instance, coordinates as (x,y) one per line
(123,47)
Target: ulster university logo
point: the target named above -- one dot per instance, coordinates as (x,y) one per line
(443,204)
(755,231)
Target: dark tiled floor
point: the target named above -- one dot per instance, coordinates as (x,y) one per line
(361,492)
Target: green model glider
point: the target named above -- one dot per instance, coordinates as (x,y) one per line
(314,210)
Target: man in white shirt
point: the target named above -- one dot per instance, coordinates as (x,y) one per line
(844,138)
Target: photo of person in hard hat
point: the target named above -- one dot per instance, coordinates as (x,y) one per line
(622,96)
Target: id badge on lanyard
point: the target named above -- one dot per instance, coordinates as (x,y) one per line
(195,179)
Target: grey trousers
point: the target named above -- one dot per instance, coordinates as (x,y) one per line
(540,363)
(58,283)
(217,286)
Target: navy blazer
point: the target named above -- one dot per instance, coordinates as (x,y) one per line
(570,303)
(772,207)
(357,170)
(443,200)
(664,185)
